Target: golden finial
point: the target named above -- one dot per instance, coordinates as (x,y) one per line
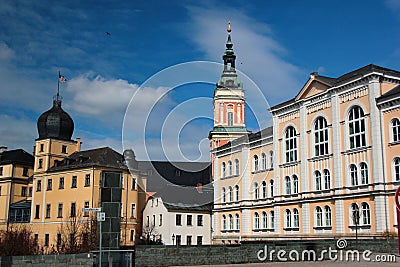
(229,26)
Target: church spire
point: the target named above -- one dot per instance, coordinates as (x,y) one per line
(229,56)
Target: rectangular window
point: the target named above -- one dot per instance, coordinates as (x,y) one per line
(133,183)
(39,186)
(230,118)
(0,190)
(154,220)
(160,220)
(36,239)
(132,235)
(199,220)
(189,220)
(48,209)
(46,240)
(60,210)
(23,191)
(64,149)
(58,239)
(41,147)
(25,172)
(133,210)
(49,184)
(74,181)
(199,240)
(61,183)
(87,180)
(73,209)
(1,171)
(189,240)
(147,221)
(40,164)
(178,240)
(86,205)
(178,219)
(37,211)
(30,192)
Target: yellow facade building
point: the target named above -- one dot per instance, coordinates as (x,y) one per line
(328,167)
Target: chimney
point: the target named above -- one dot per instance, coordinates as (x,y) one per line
(3,149)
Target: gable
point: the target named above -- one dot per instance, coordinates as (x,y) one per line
(312,87)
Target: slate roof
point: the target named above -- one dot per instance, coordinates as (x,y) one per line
(358,73)
(163,173)
(17,156)
(104,157)
(388,95)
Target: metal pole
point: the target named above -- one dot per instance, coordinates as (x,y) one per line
(100,246)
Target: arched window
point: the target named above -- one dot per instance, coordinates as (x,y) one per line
(271,188)
(255,189)
(296,218)
(288,218)
(295,184)
(318,185)
(288,185)
(364,173)
(263,161)
(353,175)
(237,221)
(357,128)
(223,222)
(256,221)
(396,169)
(255,162)
(223,170)
(236,193)
(237,167)
(223,195)
(327,179)
(321,137)
(395,125)
(318,216)
(230,192)
(365,214)
(328,216)
(264,220)
(290,144)
(230,168)
(355,214)
(271,159)
(264,190)
(272,219)
(230,222)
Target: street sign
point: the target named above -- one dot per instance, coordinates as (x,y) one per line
(397,198)
(91,209)
(101,216)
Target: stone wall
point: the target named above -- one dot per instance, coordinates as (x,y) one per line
(71,260)
(247,252)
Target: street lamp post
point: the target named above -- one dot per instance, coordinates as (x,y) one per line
(173,239)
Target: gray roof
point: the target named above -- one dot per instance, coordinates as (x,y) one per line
(104,157)
(395,92)
(17,156)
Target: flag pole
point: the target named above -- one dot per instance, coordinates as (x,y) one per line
(58,85)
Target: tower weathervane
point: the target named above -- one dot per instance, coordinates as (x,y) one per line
(229,26)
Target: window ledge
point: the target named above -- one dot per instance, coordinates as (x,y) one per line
(322,227)
(356,150)
(394,143)
(289,164)
(292,229)
(364,226)
(230,176)
(317,158)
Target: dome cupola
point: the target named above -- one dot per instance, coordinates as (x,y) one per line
(55,123)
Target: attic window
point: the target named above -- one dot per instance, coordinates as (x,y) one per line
(64,149)
(178,172)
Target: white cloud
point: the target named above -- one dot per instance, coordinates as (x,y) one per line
(6,52)
(393,4)
(259,55)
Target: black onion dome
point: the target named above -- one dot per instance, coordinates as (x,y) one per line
(55,123)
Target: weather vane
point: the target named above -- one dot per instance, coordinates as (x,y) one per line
(229,26)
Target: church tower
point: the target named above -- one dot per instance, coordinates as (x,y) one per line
(55,129)
(229,102)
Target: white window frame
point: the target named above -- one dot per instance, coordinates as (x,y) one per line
(321,137)
(359,136)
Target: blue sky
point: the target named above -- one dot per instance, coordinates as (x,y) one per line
(277,43)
